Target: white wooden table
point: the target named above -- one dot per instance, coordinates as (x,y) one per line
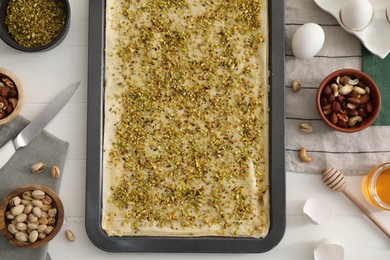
(46,74)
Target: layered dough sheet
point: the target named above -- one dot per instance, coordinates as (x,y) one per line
(186,118)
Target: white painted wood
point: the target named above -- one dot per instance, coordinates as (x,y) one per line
(360,238)
(46,74)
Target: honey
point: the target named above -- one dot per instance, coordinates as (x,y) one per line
(376,186)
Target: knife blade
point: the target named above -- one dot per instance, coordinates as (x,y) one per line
(35,127)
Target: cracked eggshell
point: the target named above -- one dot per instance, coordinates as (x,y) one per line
(356,14)
(308,41)
(388,12)
(316,211)
(328,248)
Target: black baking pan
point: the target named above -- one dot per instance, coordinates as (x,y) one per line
(95,153)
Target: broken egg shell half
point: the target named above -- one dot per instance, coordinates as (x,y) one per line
(316,211)
(356,14)
(388,13)
(328,248)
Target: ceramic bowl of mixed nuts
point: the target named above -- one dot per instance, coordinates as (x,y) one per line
(31,216)
(36,25)
(11,96)
(348,100)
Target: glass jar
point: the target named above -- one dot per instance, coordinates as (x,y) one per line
(376,186)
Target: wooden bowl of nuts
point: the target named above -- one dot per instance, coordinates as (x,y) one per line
(11,96)
(348,100)
(31,216)
(33,26)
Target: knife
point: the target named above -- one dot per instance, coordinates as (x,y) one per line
(36,126)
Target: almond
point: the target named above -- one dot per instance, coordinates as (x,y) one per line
(354,100)
(365,98)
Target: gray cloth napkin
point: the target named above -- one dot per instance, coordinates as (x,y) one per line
(44,148)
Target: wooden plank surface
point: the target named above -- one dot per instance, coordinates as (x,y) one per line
(45,74)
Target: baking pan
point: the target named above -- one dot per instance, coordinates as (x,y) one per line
(95,153)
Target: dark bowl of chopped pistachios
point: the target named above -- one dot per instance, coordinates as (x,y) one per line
(35,25)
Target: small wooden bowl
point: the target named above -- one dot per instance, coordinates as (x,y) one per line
(4,222)
(20,100)
(375,99)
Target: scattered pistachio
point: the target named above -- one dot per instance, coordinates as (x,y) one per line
(296,85)
(69,235)
(38,167)
(306,128)
(55,171)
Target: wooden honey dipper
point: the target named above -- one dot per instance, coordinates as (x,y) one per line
(335,181)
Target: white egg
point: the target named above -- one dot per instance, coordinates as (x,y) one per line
(327,249)
(356,14)
(316,211)
(308,41)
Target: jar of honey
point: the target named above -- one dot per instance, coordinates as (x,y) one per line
(376,186)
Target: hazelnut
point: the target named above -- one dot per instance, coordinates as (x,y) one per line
(3,92)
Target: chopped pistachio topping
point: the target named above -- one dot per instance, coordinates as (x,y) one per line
(34,23)
(192,119)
